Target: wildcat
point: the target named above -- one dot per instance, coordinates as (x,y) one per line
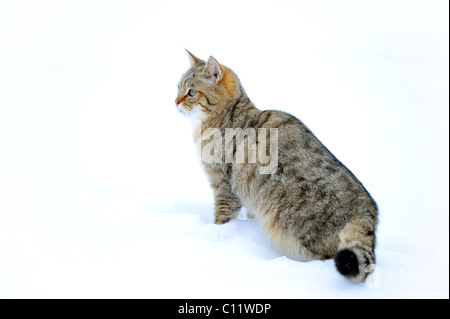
(311,205)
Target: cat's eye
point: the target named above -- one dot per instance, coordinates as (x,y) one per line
(192,92)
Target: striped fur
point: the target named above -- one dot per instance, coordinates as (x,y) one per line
(312,207)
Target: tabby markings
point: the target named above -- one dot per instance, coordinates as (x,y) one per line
(221,149)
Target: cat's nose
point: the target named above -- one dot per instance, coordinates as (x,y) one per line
(177,102)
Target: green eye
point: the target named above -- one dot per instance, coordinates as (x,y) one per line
(192,92)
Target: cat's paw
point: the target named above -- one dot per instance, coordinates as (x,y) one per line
(221,219)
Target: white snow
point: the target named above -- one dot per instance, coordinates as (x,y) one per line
(101,193)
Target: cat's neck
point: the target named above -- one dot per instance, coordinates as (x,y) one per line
(235,114)
(240,107)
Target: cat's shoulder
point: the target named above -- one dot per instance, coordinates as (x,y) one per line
(278,119)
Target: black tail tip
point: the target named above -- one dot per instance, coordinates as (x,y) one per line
(347,263)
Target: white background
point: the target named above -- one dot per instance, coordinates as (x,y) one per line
(101,193)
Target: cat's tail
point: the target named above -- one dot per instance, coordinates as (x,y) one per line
(355,256)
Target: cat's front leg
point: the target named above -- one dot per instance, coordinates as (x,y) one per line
(226,206)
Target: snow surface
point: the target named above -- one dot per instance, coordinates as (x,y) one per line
(101,193)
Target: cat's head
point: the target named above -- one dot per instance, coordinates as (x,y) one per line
(207,87)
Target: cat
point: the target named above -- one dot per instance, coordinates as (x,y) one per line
(311,206)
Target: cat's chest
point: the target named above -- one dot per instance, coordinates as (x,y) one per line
(196,122)
(197,137)
(198,118)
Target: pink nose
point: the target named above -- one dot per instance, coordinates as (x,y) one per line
(177,102)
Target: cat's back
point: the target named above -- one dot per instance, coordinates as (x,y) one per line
(309,195)
(308,178)
(301,156)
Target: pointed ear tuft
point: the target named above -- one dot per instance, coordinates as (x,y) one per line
(193,59)
(213,70)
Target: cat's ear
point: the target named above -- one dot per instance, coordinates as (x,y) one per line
(213,71)
(193,59)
